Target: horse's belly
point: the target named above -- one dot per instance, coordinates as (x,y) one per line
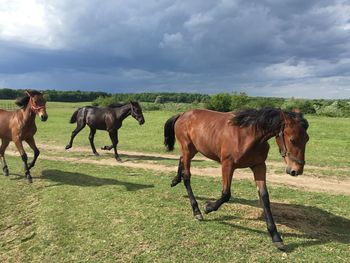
(96,124)
(211,156)
(207,152)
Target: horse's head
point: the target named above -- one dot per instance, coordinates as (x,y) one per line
(136,112)
(292,140)
(37,103)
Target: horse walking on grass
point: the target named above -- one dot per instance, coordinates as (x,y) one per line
(19,125)
(109,119)
(238,140)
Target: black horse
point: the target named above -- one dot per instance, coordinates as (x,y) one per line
(109,119)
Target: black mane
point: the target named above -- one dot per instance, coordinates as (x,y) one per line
(23,101)
(116,105)
(267,118)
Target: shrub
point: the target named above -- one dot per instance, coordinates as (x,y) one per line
(220,102)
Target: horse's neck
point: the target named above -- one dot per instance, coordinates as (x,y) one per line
(28,117)
(266,135)
(123,112)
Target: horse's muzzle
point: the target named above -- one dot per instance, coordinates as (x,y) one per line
(141,121)
(44,117)
(293,172)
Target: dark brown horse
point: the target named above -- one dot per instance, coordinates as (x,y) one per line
(19,125)
(109,119)
(238,140)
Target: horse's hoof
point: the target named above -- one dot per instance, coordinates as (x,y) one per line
(68,146)
(119,160)
(29,180)
(199,217)
(174,182)
(280,245)
(6,172)
(96,154)
(208,207)
(106,148)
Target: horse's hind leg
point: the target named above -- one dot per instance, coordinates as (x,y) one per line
(227,173)
(188,153)
(3,147)
(80,125)
(31,143)
(91,139)
(178,177)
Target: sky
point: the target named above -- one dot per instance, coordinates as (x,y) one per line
(279,48)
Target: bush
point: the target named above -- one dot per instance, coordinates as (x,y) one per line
(220,102)
(239,101)
(305,106)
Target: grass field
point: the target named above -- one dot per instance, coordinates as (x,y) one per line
(102,214)
(329,144)
(96,213)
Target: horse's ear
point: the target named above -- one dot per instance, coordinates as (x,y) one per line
(28,92)
(283,116)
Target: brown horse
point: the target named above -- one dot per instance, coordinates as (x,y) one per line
(19,125)
(238,140)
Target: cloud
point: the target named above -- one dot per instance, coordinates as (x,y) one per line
(172,40)
(264,47)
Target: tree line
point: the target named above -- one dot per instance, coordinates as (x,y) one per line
(57,95)
(221,102)
(228,102)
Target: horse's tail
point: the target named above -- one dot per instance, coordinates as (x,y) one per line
(73,119)
(169,133)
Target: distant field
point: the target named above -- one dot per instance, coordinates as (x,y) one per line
(329,144)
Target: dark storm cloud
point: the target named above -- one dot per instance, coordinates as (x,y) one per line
(265,47)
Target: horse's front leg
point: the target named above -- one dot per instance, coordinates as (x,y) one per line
(24,156)
(3,147)
(260,180)
(113,134)
(227,173)
(31,143)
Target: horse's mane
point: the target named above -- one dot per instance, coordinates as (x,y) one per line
(267,118)
(116,105)
(23,101)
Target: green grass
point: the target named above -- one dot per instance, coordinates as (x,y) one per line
(79,213)
(328,146)
(329,140)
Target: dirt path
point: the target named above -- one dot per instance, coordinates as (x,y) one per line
(308,183)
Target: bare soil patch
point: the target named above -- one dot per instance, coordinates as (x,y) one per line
(308,183)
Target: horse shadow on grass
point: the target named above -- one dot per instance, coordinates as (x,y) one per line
(314,225)
(84,180)
(150,158)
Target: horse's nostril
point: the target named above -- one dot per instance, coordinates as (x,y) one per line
(293,173)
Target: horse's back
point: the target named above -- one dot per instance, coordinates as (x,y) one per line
(97,118)
(206,130)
